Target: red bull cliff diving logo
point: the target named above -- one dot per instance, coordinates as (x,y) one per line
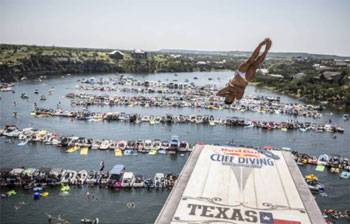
(241,157)
(242,162)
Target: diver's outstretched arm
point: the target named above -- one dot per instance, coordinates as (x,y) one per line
(257,50)
(262,57)
(253,58)
(250,73)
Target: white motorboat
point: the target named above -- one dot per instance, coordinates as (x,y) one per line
(157,119)
(103,178)
(11,133)
(159,180)
(139,181)
(69,177)
(115,176)
(323,159)
(140,145)
(199,119)
(148,145)
(43,97)
(152,120)
(211,120)
(112,145)
(164,145)
(156,144)
(95,144)
(91,178)
(55,176)
(104,145)
(121,144)
(81,177)
(184,146)
(193,118)
(145,118)
(174,144)
(128,179)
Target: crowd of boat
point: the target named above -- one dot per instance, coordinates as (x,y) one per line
(117,177)
(6,87)
(189,119)
(72,144)
(152,87)
(333,215)
(190,95)
(335,164)
(261,104)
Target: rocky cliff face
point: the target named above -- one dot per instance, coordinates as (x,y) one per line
(37,66)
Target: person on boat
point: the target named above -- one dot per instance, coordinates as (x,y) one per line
(49,218)
(102,165)
(245,73)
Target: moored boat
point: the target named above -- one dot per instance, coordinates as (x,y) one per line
(115,176)
(159,180)
(139,181)
(128,179)
(184,146)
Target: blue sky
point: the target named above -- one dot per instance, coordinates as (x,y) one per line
(314,26)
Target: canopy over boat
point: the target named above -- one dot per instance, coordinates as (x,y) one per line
(42,133)
(117,169)
(29,171)
(16,171)
(128,175)
(56,171)
(323,157)
(45,170)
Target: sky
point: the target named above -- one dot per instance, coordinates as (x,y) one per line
(312,26)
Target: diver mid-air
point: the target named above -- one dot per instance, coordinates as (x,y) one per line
(245,73)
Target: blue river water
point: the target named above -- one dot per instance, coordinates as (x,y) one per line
(111,206)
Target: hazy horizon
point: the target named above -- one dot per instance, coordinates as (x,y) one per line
(315,26)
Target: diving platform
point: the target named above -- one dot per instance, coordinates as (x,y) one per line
(222,184)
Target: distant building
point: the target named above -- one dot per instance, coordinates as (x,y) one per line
(139,54)
(220,62)
(263,71)
(340,63)
(316,66)
(327,61)
(22,49)
(332,77)
(324,68)
(299,75)
(201,63)
(301,59)
(116,55)
(277,76)
(175,56)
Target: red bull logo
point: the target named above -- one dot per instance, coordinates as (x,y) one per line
(241,152)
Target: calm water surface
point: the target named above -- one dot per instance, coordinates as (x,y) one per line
(110,206)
